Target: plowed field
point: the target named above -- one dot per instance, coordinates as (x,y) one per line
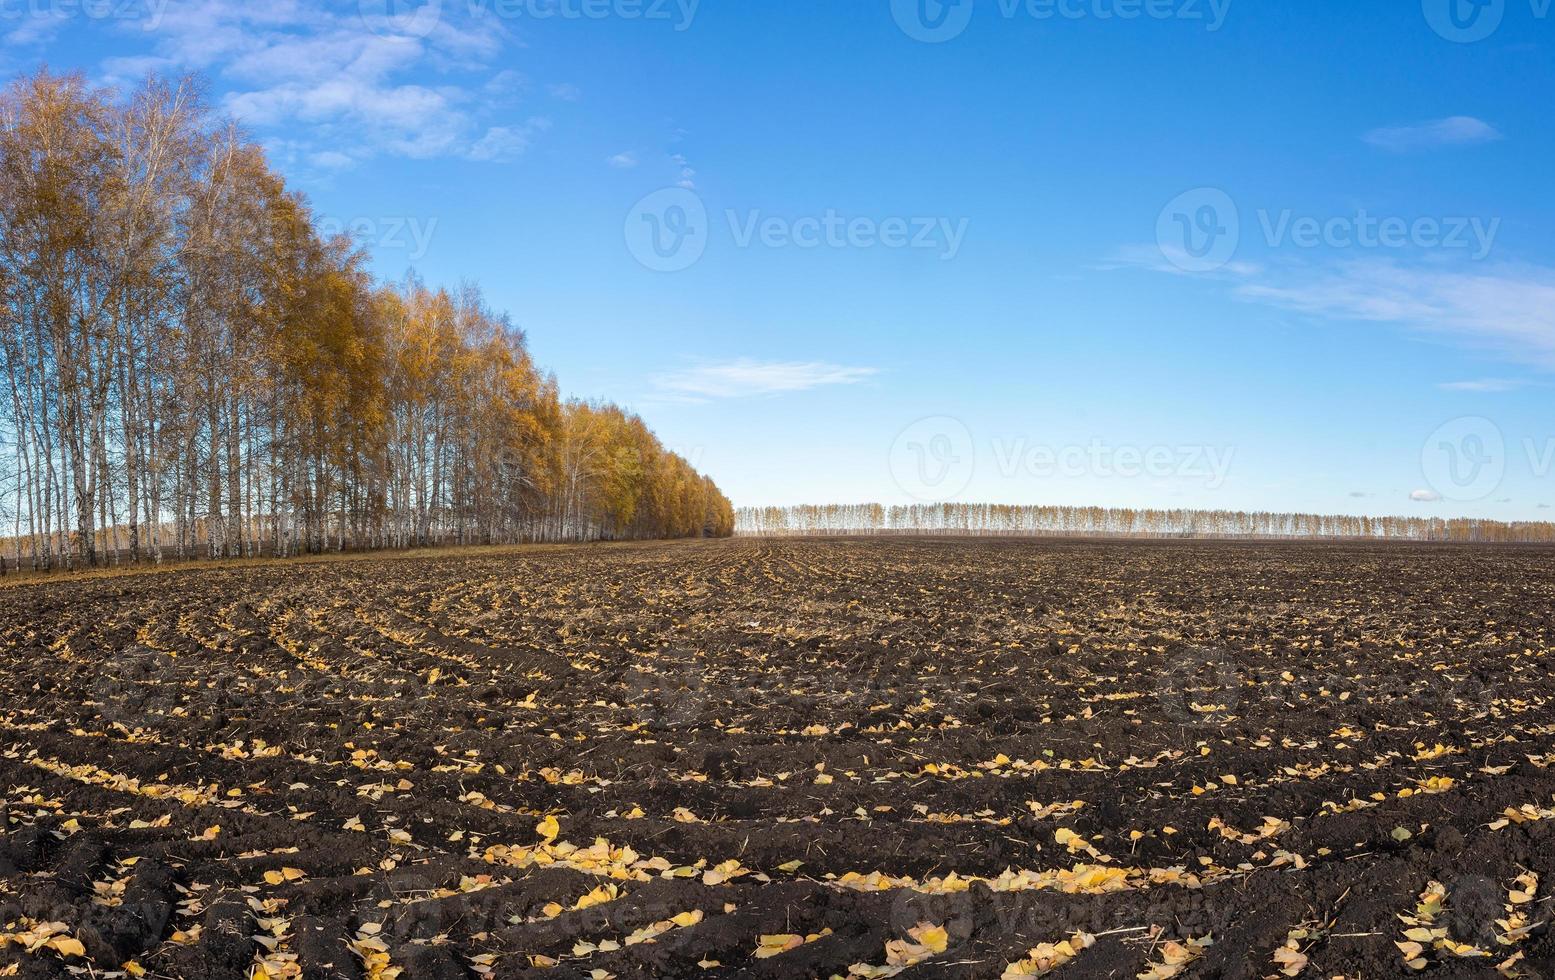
(923,758)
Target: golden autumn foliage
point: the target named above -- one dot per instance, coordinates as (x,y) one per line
(190,366)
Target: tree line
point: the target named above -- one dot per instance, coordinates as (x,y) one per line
(1008,519)
(192,369)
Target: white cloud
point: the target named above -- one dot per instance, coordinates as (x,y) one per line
(687,175)
(356,81)
(1452,131)
(211,33)
(746,377)
(1483,385)
(1425,496)
(325,57)
(566,91)
(38,24)
(129,71)
(502,143)
(1508,310)
(505,85)
(409,120)
(331,160)
(623,161)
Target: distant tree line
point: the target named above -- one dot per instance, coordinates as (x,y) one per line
(1007,519)
(190,368)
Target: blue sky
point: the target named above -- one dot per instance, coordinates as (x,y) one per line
(1214,254)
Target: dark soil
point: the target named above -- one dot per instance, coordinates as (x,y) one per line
(1264,738)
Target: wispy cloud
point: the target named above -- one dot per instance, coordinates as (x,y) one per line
(745,378)
(1452,131)
(39,25)
(623,161)
(503,143)
(1506,309)
(130,70)
(505,86)
(1172,261)
(687,174)
(1483,385)
(357,82)
(1509,311)
(331,160)
(1425,496)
